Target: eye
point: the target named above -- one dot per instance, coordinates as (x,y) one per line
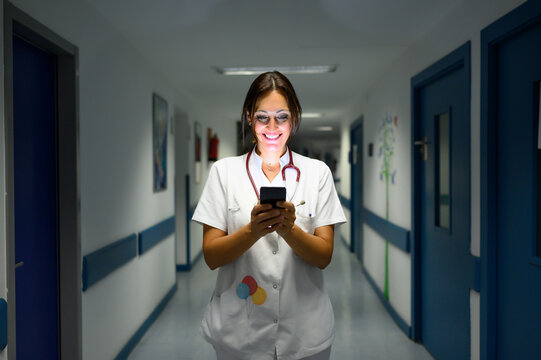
(262,118)
(282,117)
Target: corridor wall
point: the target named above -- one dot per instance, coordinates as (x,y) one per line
(116,85)
(390,95)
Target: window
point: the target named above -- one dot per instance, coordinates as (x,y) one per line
(443,171)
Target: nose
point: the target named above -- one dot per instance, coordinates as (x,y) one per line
(272,122)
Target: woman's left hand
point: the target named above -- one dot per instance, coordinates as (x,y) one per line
(287,217)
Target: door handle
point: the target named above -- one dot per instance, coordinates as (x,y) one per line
(19,264)
(423,147)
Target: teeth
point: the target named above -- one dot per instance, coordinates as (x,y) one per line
(270,137)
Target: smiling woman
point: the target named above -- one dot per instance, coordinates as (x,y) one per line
(270,258)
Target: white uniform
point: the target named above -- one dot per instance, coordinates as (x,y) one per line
(287,309)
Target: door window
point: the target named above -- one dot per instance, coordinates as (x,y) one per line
(443,181)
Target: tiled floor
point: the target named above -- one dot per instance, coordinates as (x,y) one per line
(364,329)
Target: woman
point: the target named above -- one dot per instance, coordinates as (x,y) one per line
(269,301)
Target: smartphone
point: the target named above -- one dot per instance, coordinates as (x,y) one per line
(270,195)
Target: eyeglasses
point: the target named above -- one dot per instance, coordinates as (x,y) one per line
(280,116)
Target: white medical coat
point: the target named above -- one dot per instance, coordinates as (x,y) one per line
(296,319)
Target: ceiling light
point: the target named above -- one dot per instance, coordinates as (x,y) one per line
(323,128)
(317,69)
(311,115)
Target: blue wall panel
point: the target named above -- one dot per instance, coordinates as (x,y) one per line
(345,201)
(398,236)
(102,262)
(153,235)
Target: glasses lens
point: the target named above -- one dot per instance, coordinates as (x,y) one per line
(264,117)
(282,117)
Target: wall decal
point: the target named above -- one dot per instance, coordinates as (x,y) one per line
(387,174)
(159,139)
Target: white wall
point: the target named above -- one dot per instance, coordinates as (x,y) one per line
(391,95)
(115,108)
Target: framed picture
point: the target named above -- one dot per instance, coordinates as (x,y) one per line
(159,141)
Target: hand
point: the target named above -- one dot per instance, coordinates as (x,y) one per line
(264,220)
(287,217)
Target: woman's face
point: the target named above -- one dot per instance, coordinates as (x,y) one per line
(272,122)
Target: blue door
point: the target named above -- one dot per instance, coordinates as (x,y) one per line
(357,188)
(518,253)
(443,157)
(36,193)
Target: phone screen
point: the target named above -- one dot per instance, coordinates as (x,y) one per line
(270,195)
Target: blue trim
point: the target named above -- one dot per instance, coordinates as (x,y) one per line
(183,267)
(153,235)
(396,317)
(134,340)
(356,191)
(491,37)
(345,201)
(188,267)
(3,324)
(456,59)
(104,261)
(398,236)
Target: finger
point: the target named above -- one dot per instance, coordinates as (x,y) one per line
(286,205)
(270,222)
(259,208)
(263,216)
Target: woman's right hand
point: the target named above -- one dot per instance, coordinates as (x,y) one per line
(264,220)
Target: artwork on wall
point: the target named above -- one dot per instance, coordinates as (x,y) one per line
(213,142)
(197,137)
(387,174)
(159,139)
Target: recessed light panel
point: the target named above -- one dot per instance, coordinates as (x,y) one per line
(316,69)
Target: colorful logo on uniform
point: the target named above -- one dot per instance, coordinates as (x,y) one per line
(248,287)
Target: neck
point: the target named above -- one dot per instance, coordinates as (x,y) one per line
(270,158)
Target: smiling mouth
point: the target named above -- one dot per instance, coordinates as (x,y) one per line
(272,137)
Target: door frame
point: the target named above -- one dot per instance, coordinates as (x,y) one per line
(18,23)
(516,21)
(456,59)
(356,218)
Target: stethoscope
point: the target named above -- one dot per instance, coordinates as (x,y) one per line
(290,165)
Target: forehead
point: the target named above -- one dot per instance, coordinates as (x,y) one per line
(272,101)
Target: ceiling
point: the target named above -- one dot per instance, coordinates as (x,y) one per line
(187,39)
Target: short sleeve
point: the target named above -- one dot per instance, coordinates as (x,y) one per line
(329,209)
(212,207)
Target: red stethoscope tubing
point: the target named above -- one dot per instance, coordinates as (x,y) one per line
(289,165)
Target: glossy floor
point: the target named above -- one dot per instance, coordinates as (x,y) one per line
(364,329)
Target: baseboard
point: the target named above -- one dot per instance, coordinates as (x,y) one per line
(397,318)
(188,267)
(134,340)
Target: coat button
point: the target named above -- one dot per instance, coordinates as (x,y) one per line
(275,286)
(276,321)
(274,252)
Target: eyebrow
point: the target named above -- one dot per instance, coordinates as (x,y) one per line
(277,111)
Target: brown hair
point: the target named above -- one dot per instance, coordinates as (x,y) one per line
(263,84)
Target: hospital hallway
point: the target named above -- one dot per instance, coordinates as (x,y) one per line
(128,130)
(364,329)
